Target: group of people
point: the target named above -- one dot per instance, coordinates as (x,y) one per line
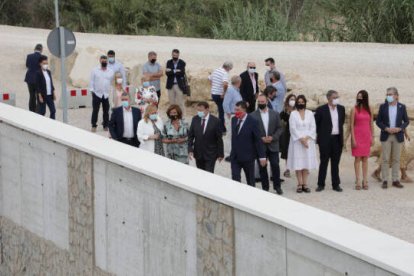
(280,127)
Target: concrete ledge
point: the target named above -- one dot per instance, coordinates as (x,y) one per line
(374,247)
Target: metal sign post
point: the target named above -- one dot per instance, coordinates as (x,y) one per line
(64,94)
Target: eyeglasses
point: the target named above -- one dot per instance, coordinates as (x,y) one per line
(390,94)
(252,67)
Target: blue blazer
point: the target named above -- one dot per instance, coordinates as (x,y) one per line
(246,146)
(116,124)
(383,121)
(32,65)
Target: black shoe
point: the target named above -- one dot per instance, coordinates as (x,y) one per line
(227,159)
(257,180)
(279,191)
(337,189)
(320,189)
(384,185)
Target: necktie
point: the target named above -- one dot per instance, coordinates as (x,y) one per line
(238,126)
(203,124)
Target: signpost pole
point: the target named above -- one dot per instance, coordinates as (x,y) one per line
(64,93)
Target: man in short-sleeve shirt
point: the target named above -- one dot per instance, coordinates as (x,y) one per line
(152,72)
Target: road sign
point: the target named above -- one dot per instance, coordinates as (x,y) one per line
(53,42)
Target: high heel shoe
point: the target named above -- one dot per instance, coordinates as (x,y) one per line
(357,185)
(365,184)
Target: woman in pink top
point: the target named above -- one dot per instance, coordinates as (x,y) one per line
(362,137)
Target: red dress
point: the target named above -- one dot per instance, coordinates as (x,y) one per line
(362,132)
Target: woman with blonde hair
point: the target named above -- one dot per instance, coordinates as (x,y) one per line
(150,131)
(117,91)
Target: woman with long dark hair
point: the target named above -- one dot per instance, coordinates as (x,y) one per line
(289,106)
(361,137)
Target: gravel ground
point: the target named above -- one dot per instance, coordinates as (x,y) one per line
(346,67)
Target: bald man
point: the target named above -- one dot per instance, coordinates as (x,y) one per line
(249,88)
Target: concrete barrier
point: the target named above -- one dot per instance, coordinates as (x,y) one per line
(78,98)
(76,203)
(8,98)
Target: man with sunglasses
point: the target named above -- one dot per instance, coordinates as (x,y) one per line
(249,88)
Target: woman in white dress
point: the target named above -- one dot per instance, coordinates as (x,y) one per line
(302,149)
(150,131)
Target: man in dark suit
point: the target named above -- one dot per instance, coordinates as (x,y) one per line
(205,142)
(124,122)
(249,88)
(392,120)
(175,71)
(45,90)
(246,145)
(330,120)
(32,65)
(270,130)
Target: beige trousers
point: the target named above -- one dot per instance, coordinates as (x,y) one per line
(391,146)
(176,96)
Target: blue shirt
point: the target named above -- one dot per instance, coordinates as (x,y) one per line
(231,97)
(392,113)
(278,101)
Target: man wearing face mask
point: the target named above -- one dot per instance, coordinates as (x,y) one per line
(152,71)
(330,120)
(392,120)
(205,142)
(124,121)
(279,98)
(249,88)
(246,145)
(116,66)
(270,131)
(175,71)
(100,86)
(44,89)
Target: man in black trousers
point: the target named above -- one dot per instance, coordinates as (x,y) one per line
(205,142)
(330,120)
(249,88)
(32,65)
(270,130)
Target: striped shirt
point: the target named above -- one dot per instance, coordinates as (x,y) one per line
(218,78)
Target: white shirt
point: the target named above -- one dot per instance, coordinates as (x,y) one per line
(335,120)
(392,113)
(205,122)
(218,78)
(101,82)
(242,122)
(265,119)
(118,67)
(48,82)
(128,123)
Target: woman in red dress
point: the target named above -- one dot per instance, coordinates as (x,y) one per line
(362,137)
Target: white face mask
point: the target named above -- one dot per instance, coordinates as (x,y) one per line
(292,103)
(335,101)
(252,71)
(118,80)
(45,66)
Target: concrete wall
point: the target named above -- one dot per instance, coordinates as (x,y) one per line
(74,203)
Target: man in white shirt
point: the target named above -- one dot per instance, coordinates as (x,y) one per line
(100,85)
(116,66)
(219,81)
(44,89)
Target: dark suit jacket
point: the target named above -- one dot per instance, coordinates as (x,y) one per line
(246,87)
(178,75)
(207,146)
(32,65)
(324,125)
(246,146)
(116,124)
(383,121)
(41,83)
(274,128)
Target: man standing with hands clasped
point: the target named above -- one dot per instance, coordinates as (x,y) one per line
(175,71)
(205,142)
(246,145)
(392,120)
(270,130)
(330,120)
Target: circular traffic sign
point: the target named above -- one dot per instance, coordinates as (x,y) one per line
(53,42)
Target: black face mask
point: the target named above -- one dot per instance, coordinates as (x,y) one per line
(261,106)
(153,60)
(300,106)
(359,101)
(175,58)
(173,117)
(104,64)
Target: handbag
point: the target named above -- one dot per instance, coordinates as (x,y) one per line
(187,87)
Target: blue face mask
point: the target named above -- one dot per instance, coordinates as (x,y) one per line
(146,84)
(125,104)
(111,60)
(390,99)
(201,114)
(153,117)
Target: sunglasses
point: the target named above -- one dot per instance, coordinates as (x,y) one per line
(252,67)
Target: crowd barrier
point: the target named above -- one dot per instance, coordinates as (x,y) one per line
(8,98)
(78,98)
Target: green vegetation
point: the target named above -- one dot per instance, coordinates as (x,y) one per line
(388,21)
